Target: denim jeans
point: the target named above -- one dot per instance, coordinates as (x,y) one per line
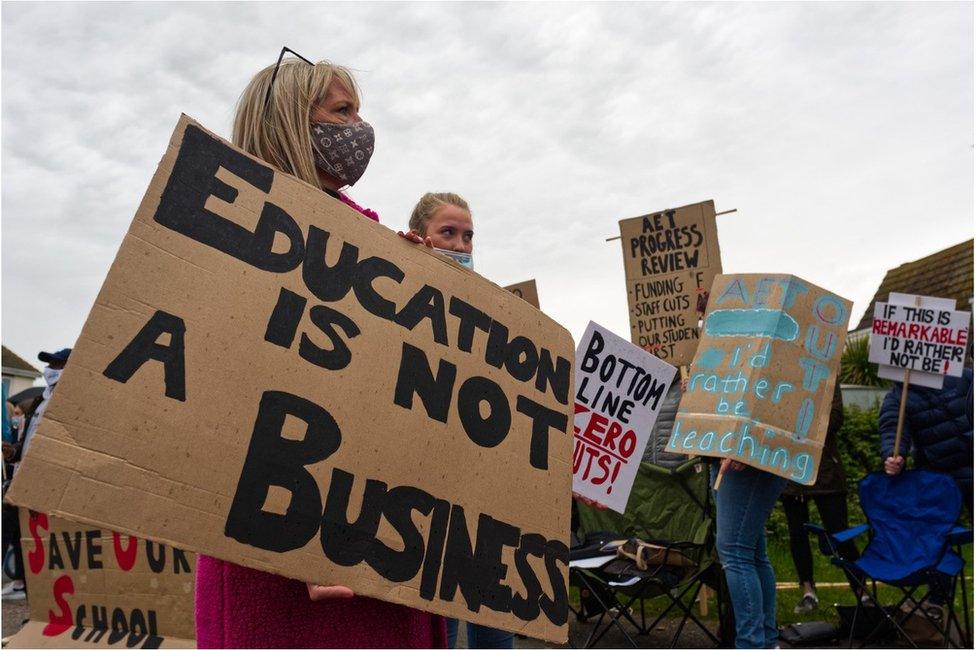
(743,503)
(480,636)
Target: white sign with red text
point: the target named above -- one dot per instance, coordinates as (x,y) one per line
(619,391)
(924,335)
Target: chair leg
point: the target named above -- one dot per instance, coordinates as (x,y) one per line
(689,613)
(967,640)
(593,638)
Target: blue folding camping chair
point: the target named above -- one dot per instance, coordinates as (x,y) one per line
(914,543)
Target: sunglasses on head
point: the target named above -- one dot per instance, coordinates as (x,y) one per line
(267,95)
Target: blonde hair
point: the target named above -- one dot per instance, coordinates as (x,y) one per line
(280,134)
(428,205)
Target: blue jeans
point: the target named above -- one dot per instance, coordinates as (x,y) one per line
(480,636)
(743,503)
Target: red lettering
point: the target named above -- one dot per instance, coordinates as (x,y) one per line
(597,424)
(35,557)
(589,463)
(57,624)
(125,557)
(604,464)
(612,434)
(628,444)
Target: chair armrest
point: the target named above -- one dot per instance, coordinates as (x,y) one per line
(851,533)
(960,535)
(828,542)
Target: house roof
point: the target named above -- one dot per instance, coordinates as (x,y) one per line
(13,362)
(946,274)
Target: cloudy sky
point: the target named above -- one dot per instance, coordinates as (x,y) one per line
(842,133)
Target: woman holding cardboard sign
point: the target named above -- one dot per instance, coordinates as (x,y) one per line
(303,118)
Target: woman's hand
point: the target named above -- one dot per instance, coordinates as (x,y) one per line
(588,502)
(894,465)
(729,464)
(322,592)
(414,236)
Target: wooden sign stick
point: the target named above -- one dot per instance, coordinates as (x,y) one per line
(718,479)
(716,214)
(904,399)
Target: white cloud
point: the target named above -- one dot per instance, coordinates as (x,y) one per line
(842,132)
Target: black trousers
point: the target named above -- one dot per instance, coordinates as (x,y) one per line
(11,537)
(833,514)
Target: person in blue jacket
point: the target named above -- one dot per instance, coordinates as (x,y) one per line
(938,429)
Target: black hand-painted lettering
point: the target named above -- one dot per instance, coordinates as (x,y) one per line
(285,319)
(276,461)
(427,303)
(93,544)
(144,347)
(366,273)
(325,318)
(194,180)
(543,419)
(557,607)
(527,607)
(556,376)
(470,318)
(435,549)
(328,283)
(344,542)
(416,376)
(484,431)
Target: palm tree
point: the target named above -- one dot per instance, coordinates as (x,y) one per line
(855,367)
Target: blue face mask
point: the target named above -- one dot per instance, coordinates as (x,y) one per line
(464,259)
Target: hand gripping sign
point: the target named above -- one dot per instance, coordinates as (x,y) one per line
(289,386)
(619,392)
(761,385)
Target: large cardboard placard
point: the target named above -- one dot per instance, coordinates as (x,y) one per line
(527,291)
(272,379)
(670,260)
(92,588)
(922,334)
(761,385)
(619,392)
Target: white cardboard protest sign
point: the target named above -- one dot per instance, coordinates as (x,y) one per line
(922,334)
(619,392)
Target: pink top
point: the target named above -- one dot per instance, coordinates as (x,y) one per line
(237,607)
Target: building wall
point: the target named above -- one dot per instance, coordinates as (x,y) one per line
(16,384)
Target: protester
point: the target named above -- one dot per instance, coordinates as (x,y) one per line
(294,129)
(52,374)
(829,493)
(743,504)
(15,589)
(938,428)
(443,221)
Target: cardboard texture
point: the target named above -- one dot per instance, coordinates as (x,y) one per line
(619,392)
(761,385)
(670,260)
(923,334)
(287,385)
(93,588)
(526,291)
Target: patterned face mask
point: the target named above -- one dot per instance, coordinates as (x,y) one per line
(343,150)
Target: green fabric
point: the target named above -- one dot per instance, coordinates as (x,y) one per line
(659,508)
